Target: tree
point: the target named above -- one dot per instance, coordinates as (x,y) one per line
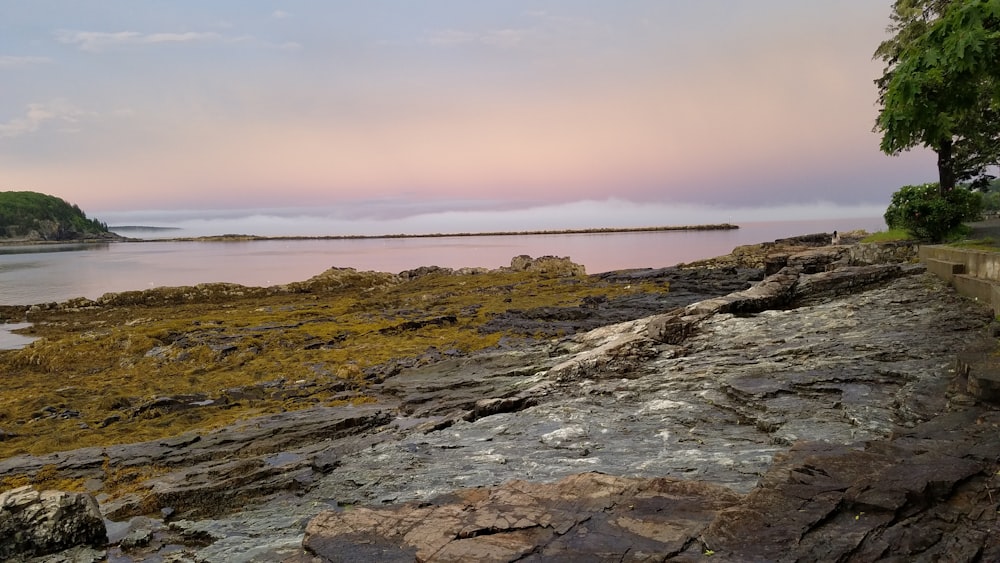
(941,84)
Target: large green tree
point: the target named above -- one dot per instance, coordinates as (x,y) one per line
(941,84)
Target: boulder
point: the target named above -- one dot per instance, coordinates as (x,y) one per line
(34,523)
(552,265)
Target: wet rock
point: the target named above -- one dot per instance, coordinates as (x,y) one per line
(211,473)
(848,279)
(490,407)
(978,374)
(408,326)
(325,462)
(817,260)
(925,495)
(589,516)
(801,279)
(774,291)
(716,408)
(454,387)
(686,286)
(814,239)
(34,523)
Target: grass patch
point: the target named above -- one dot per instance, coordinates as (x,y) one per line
(986,244)
(891,235)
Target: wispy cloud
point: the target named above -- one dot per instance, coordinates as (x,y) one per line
(38,114)
(95,41)
(280,14)
(500,38)
(11,61)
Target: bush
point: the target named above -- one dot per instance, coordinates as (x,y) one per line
(930,216)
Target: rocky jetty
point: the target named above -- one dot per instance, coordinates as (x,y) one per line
(812,412)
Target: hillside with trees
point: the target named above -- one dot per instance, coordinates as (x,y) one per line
(32,216)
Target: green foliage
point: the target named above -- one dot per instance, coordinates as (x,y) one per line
(941,84)
(991,196)
(985,244)
(929,215)
(51,217)
(891,235)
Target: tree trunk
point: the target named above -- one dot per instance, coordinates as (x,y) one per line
(946,167)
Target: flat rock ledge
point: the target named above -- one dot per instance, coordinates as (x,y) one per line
(589,516)
(926,495)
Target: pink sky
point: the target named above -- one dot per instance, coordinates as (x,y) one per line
(445,106)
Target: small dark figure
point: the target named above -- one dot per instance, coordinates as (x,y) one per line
(836,238)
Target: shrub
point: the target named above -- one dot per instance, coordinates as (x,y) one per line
(930,216)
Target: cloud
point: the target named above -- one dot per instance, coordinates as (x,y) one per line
(10,61)
(96,41)
(280,14)
(38,114)
(500,38)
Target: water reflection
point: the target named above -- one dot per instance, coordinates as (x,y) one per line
(11,341)
(47,273)
(58,247)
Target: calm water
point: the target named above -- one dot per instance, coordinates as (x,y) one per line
(40,274)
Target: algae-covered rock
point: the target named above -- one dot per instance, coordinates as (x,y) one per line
(550,265)
(345,279)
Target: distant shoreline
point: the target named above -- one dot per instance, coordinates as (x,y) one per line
(242,237)
(605,230)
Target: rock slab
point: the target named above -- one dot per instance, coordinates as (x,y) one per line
(586,517)
(927,495)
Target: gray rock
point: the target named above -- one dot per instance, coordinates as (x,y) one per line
(36,523)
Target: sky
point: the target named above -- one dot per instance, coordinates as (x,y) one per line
(447,115)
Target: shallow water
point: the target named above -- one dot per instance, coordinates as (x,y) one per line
(11,341)
(43,273)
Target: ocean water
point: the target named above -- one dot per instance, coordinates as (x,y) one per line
(50,273)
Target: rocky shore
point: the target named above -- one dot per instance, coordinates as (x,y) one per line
(793,401)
